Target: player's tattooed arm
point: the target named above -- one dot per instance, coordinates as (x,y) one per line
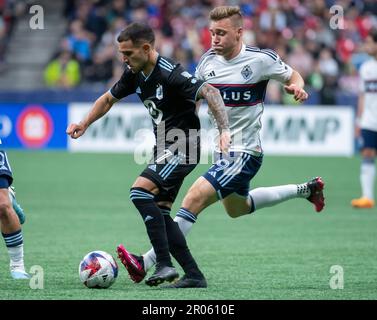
(216,105)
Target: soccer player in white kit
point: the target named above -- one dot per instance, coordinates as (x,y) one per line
(241,73)
(10,224)
(366,125)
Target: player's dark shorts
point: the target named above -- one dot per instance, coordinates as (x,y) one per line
(168,176)
(368,139)
(6,178)
(233,173)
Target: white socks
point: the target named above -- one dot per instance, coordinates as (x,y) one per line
(270,196)
(367,176)
(149,259)
(16,255)
(184,225)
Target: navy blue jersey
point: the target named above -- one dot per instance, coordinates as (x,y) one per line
(169,94)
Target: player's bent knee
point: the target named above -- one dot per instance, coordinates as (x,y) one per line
(233,213)
(368,153)
(236,206)
(140,195)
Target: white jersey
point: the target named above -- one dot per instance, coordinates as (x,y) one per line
(242,82)
(368,85)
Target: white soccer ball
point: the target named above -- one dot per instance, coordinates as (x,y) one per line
(98,269)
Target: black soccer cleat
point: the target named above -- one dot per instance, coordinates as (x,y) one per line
(186,282)
(161,275)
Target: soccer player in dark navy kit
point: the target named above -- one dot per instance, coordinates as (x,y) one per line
(169,93)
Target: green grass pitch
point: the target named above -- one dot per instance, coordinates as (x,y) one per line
(76,203)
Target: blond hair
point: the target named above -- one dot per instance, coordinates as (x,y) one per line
(223,12)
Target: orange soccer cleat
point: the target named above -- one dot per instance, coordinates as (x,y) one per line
(362,203)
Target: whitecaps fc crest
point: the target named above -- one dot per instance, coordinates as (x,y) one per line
(246,72)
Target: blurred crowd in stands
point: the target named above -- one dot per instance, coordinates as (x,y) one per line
(10,10)
(298,30)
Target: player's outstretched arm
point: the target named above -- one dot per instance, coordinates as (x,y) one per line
(295,86)
(217,107)
(99,109)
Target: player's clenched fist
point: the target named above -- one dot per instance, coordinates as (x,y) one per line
(298,93)
(76,130)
